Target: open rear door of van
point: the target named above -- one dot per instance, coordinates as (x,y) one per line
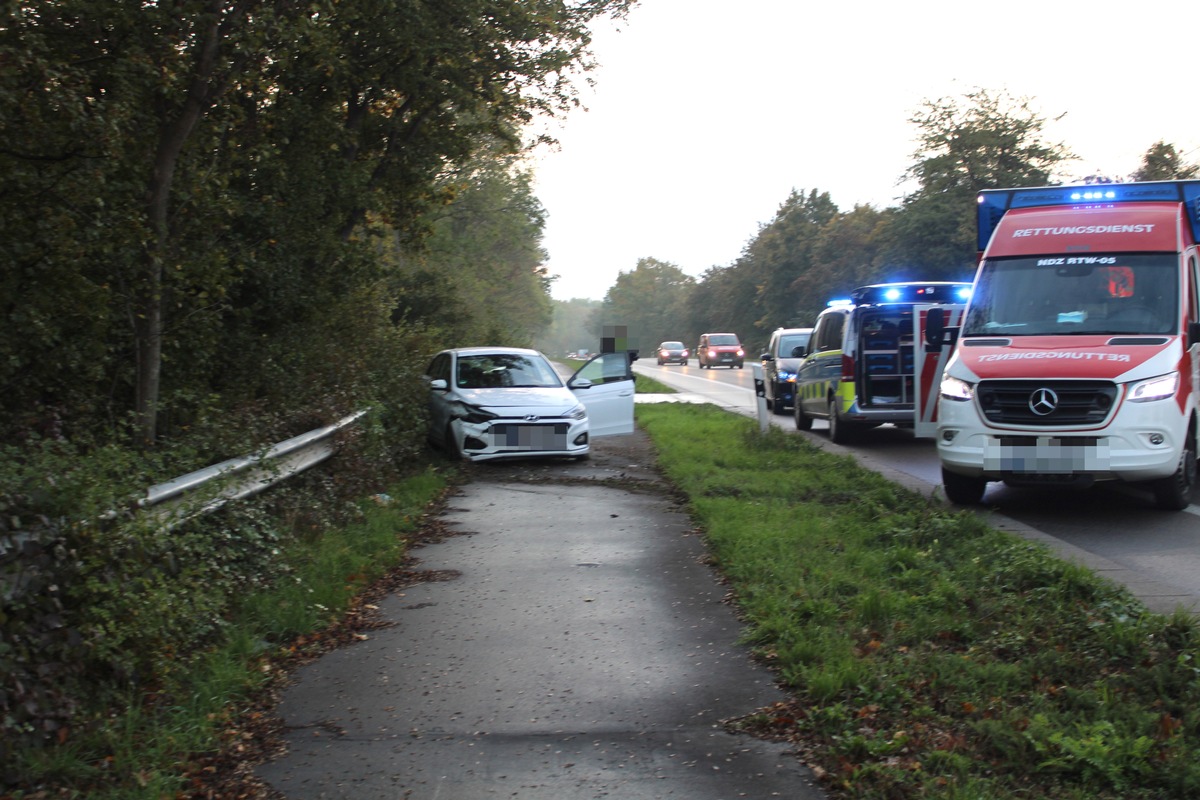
(929,366)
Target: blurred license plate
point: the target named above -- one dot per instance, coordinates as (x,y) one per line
(531,437)
(1047,455)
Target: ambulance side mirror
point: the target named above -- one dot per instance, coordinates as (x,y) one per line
(935,330)
(937,333)
(1193,333)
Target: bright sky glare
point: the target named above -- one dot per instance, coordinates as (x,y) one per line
(707,113)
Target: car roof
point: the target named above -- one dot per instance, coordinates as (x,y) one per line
(479,351)
(793,330)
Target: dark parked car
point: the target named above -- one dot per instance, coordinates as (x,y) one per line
(780,362)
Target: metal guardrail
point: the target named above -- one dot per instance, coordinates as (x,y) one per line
(240,477)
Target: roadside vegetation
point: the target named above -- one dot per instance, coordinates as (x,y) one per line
(926,654)
(929,655)
(194,724)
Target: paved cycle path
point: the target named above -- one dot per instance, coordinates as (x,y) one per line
(577,646)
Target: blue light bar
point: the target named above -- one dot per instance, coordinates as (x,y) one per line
(993,203)
(911,292)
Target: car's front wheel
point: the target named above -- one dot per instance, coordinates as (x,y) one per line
(1175,493)
(803,421)
(963,490)
(450,444)
(777,404)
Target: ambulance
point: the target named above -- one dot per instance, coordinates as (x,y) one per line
(1076,360)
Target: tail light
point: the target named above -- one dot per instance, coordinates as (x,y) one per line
(847,367)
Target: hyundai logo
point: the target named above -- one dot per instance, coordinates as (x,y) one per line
(532,417)
(1043,401)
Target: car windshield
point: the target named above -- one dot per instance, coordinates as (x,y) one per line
(1096,294)
(503,370)
(723,339)
(789,342)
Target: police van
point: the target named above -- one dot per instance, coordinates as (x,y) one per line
(868,364)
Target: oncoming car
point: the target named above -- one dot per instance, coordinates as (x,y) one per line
(672,353)
(720,350)
(488,403)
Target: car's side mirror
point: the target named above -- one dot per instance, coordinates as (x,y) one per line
(579,383)
(1193,331)
(766,357)
(439,385)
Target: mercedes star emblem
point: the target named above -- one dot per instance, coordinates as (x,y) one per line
(1043,401)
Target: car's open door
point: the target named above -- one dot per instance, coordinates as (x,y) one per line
(605,385)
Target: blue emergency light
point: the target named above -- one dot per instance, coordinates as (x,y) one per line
(911,292)
(993,203)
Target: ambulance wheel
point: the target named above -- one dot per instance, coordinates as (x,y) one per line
(963,490)
(1175,493)
(839,432)
(803,421)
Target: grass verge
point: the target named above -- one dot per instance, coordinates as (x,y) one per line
(929,655)
(193,738)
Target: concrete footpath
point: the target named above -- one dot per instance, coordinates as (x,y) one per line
(574,645)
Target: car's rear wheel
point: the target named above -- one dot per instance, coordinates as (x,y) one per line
(963,490)
(839,432)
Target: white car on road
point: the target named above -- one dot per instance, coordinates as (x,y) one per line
(488,403)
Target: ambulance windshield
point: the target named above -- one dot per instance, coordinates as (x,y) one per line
(1093,294)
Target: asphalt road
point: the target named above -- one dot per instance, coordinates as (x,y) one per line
(571,643)
(1111,528)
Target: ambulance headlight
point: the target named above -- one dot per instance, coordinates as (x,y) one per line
(1159,388)
(956,389)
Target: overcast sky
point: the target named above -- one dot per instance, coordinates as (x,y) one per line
(707,113)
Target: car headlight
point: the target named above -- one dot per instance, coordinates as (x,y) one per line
(470,413)
(956,389)
(578,412)
(1159,388)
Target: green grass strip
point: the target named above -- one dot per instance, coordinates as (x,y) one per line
(931,656)
(146,750)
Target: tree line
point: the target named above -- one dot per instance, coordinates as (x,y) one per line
(215,207)
(811,251)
